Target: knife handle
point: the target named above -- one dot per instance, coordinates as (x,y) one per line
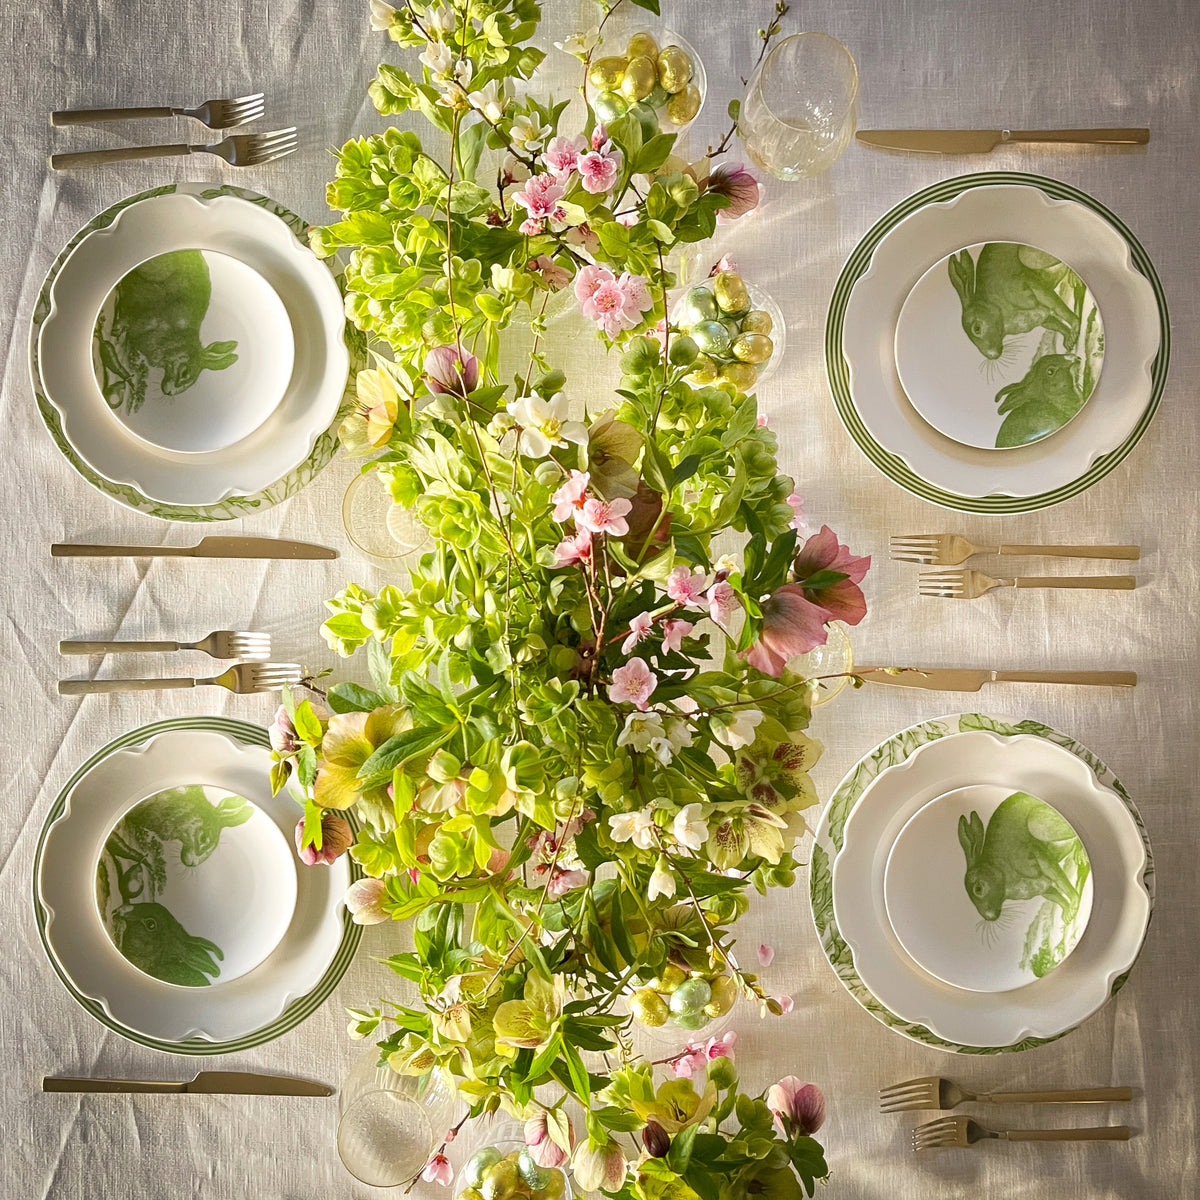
(64,1083)
(115,647)
(85,550)
(89,687)
(1095,678)
(1120,583)
(1129,552)
(1097,137)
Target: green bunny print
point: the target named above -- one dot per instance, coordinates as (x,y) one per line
(155,942)
(184,815)
(1045,400)
(1022,854)
(158,310)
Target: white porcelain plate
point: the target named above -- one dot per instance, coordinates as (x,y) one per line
(988,888)
(195,885)
(999,345)
(192,350)
(266,1001)
(923,229)
(871,806)
(256,237)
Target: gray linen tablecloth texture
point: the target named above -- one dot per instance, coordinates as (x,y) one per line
(969,63)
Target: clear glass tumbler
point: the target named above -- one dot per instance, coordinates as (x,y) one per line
(831,663)
(800,109)
(377,525)
(389,1124)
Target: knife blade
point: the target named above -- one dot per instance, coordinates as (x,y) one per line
(965,679)
(980,141)
(206,1083)
(209,547)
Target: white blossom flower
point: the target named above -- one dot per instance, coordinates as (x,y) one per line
(662,749)
(580,44)
(439,22)
(690,828)
(528,133)
(737,730)
(641,728)
(679,734)
(491,100)
(439,58)
(381,16)
(636,827)
(544,424)
(662,882)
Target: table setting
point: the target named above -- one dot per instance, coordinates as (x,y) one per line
(572,421)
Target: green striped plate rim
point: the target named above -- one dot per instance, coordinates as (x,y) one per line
(301,1008)
(123,493)
(838,370)
(828,839)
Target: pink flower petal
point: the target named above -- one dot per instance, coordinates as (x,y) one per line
(766,955)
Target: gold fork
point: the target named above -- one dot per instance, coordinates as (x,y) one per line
(239,150)
(241,677)
(932,1091)
(962,1131)
(970,585)
(948,550)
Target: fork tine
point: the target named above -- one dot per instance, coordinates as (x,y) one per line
(922,560)
(272,136)
(243,101)
(908,1085)
(259,160)
(923,539)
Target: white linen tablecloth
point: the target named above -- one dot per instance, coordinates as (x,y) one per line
(969,63)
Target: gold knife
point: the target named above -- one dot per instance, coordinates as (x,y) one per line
(980,141)
(954,679)
(209,547)
(207,1083)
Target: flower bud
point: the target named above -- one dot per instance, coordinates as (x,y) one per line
(655,1139)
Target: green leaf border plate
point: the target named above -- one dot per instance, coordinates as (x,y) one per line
(298,1010)
(234,506)
(827,844)
(838,370)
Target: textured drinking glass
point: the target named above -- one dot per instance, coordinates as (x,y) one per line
(799,111)
(376,524)
(388,1124)
(833,658)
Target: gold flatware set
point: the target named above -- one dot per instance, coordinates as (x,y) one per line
(983,141)
(206,1083)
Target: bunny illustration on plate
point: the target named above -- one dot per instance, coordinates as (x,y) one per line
(1025,852)
(1045,400)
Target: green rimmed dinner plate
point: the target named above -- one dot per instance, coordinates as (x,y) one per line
(908,452)
(856,937)
(240,503)
(259,1006)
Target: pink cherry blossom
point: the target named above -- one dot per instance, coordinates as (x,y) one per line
(599,167)
(695,1056)
(553,276)
(762,420)
(721,1047)
(766,955)
(600,138)
(738,185)
(569,498)
(563,881)
(604,516)
(562,155)
(540,198)
(572,551)
(685,588)
(438,1170)
(674,632)
(798,1107)
(786,1004)
(639,627)
(632,684)
(796,502)
(722,603)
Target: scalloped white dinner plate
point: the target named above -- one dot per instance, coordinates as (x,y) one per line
(996,213)
(263,1002)
(242,230)
(1108,947)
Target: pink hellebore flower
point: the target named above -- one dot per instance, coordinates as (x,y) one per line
(572,551)
(438,1170)
(445,371)
(562,156)
(543,1149)
(639,628)
(335,840)
(843,601)
(632,684)
(598,1167)
(791,625)
(798,1107)
(282,734)
(569,498)
(604,516)
(673,634)
(737,183)
(364,899)
(685,588)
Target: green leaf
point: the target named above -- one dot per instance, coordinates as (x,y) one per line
(541,1063)
(399,749)
(580,1083)
(775,569)
(685,469)
(680,1153)
(308,725)
(352,697)
(648,5)
(620,929)
(823,579)
(734,110)
(701,1182)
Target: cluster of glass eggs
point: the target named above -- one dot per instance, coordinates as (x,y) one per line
(734,340)
(492,1174)
(663,80)
(688,999)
